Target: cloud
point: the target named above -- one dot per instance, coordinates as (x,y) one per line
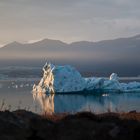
(1,45)
(68,20)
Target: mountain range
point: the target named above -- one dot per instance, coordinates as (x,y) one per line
(121,55)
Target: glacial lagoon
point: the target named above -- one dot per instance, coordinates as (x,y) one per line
(16,94)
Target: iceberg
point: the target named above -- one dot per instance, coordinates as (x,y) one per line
(94,83)
(113,83)
(66,79)
(60,79)
(131,86)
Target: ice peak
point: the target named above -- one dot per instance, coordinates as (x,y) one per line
(114,77)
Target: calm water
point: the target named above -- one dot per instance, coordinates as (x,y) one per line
(16,94)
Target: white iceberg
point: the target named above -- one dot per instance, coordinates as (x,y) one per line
(66,79)
(63,79)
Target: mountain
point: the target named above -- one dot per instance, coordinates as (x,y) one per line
(35,50)
(118,54)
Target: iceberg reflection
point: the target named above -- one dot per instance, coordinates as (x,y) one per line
(46,101)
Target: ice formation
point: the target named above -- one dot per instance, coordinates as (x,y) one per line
(66,79)
(114,77)
(45,86)
(62,79)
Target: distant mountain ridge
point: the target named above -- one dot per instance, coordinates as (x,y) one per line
(121,52)
(44,47)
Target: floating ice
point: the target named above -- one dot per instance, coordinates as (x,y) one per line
(45,86)
(94,83)
(114,77)
(131,87)
(16,86)
(27,85)
(22,85)
(62,79)
(66,79)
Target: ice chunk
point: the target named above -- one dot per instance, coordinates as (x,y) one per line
(67,79)
(104,84)
(112,85)
(124,86)
(131,86)
(94,83)
(47,81)
(114,77)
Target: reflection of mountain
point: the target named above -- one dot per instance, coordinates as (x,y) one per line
(114,55)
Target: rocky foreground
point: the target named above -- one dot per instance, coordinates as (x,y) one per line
(24,125)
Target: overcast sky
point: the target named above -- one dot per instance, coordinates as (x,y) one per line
(68,20)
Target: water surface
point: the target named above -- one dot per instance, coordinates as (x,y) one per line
(16,94)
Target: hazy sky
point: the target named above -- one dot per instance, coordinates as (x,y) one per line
(68,20)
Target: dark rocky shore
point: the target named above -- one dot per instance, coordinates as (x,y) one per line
(24,125)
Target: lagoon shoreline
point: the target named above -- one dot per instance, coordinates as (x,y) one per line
(25,125)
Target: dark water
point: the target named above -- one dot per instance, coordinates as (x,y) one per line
(16,94)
